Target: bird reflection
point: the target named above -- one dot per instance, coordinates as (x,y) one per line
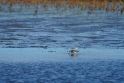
(73,54)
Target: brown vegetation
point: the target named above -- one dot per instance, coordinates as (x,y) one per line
(108,5)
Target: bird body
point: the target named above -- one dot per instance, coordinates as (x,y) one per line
(74,51)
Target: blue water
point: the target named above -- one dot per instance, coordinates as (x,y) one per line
(63,28)
(34,48)
(34,65)
(94,71)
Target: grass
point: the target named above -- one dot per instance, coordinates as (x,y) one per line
(108,5)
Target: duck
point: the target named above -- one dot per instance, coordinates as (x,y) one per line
(74,51)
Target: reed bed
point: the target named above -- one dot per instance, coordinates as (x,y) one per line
(108,5)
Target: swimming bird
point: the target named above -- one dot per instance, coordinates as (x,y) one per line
(74,51)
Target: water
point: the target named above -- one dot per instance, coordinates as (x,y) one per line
(59,54)
(34,48)
(36,65)
(63,28)
(67,72)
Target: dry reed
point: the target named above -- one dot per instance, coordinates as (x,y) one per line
(108,5)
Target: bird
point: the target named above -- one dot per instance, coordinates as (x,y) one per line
(73,51)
